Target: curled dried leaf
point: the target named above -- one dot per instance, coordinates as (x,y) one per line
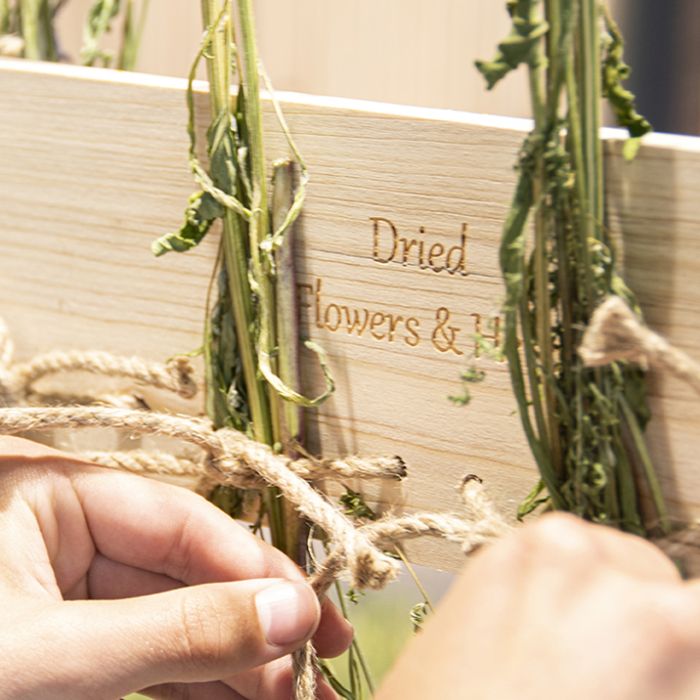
(201,212)
(622,101)
(519,46)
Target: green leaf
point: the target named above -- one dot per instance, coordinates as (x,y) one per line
(227,398)
(615,72)
(355,505)
(207,207)
(519,46)
(533,500)
(99,22)
(417,615)
(631,148)
(287,392)
(222,152)
(471,375)
(200,214)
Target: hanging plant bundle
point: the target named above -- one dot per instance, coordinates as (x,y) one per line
(584,426)
(251,338)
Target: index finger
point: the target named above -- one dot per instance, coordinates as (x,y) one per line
(168,530)
(152,525)
(156,527)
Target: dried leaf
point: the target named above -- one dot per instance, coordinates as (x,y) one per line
(615,72)
(519,46)
(200,214)
(418,614)
(99,22)
(355,505)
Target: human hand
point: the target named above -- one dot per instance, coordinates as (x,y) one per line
(560,609)
(111,583)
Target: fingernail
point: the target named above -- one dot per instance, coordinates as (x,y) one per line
(288,612)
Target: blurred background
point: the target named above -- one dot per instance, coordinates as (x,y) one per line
(421,52)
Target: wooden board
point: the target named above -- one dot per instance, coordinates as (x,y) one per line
(93,167)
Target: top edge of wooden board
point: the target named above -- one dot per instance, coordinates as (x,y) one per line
(95,74)
(89,177)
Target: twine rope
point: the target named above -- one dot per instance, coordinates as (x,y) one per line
(356,551)
(616,333)
(17,382)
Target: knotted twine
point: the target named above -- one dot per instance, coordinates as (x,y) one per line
(614,333)
(356,551)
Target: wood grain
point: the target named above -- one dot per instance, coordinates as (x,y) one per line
(94,167)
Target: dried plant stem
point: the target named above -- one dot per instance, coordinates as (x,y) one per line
(37,30)
(282,519)
(5,16)
(132,35)
(253,309)
(418,583)
(584,426)
(233,237)
(356,658)
(30,28)
(286,320)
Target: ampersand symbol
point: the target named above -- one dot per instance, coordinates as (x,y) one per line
(444,335)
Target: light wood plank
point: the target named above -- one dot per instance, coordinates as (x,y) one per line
(93,168)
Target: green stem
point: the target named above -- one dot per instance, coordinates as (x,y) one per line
(371,686)
(219,56)
(355,651)
(584,133)
(591,104)
(132,36)
(259,226)
(540,380)
(416,580)
(30,10)
(553,14)
(46,37)
(288,339)
(4,17)
(280,514)
(649,471)
(234,235)
(575,140)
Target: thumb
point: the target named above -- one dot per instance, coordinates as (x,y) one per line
(193,634)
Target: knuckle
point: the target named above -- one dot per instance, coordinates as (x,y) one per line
(654,623)
(177,559)
(561,535)
(666,621)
